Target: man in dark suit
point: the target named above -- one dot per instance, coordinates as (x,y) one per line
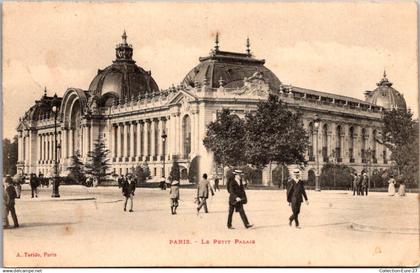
(295,192)
(9,196)
(237,198)
(203,188)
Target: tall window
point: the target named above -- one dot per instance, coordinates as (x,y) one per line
(363,145)
(186,134)
(128,139)
(374,133)
(149,140)
(311,142)
(157,137)
(135,139)
(351,144)
(338,143)
(115,141)
(122,141)
(325,142)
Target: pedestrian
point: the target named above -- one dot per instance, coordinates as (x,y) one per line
(162,183)
(365,184)
(9,196)
(128,189)
(237,198)
(355,184)
(401,189)
(391,186)
(203,188)
(174,195)
(295,192)
(33,181)
(216,184)
(18,178)
(359,185)
(120,181)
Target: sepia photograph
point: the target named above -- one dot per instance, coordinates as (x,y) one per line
(210,134)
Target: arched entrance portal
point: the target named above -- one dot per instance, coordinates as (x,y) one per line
(184,173)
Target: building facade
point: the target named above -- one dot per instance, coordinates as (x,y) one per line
(125,109)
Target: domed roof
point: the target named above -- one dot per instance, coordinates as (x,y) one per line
(123,77)
(386,96)
(229,67)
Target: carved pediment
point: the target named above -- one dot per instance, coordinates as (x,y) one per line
(182,97)
(254,86)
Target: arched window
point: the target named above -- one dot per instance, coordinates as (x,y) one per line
(374,136)
(338,143)
(351,144)
(325,142)
(186,134)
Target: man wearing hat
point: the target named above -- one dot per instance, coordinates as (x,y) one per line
(237,198)
(203,188)
(295,192)
(174,195)
(9,196)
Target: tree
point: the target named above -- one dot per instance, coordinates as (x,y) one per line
(225,138)
(10,155)
(336,175)
(77,169)
(175,172)
(140,174)
(98,164)
(274,134)
(146,170)
(401,135)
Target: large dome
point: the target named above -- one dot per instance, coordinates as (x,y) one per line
(123,77)
(231,68)
(386,96)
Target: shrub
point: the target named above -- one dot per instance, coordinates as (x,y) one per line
(336,175)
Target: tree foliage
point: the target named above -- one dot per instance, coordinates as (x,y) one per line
(225,137)
(175,171)
(336,175)
(76,169)
(272,134)
(275,134)
(98,164)
(401,136)
(10,155)
(140,174)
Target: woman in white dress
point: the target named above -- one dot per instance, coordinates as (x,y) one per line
(391,186)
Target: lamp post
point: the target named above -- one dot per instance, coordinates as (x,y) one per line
(316,125)
(56,182)
(163,136)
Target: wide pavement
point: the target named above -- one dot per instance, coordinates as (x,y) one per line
(337,229)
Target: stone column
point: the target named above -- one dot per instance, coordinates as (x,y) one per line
(125,144)
(132,152)
(119,154)
(139,137)
(146,128)
(344,143)
(152,140)
(357,144)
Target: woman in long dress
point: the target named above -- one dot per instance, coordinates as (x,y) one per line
(391,186)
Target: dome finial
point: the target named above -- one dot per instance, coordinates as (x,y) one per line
(45,91)
(384,73)
(124,37)
(216,42)
(248,46)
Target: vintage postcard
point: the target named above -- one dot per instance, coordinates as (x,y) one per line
(169,134)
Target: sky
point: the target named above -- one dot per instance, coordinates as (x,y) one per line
(336,47)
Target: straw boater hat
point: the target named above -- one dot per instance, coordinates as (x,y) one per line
(296,171)
(238,172)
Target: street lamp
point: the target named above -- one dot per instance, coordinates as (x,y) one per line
(56,182)
(317,121)
(163,136)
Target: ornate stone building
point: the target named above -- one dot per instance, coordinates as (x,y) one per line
(124,108)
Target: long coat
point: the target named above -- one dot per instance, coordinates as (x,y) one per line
(203,188)
(128,188)
(236,190)
(174,192)
(295,191)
